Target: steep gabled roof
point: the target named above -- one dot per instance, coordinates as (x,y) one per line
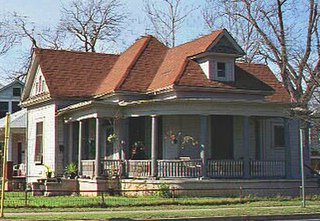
(149,66)
(122,67)
(175,61)
(73,74)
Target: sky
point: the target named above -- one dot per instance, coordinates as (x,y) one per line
(46,13)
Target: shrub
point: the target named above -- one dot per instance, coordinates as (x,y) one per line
(163,191)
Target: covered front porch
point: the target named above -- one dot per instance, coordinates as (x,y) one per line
(183,146)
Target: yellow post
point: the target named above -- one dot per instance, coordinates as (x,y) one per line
(4,167)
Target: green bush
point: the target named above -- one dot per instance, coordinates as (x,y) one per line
(163,191)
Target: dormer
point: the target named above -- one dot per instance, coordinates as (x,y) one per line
(218,61)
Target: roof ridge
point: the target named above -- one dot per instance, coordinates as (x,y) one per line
(199,38)
(133,62)
(74,51)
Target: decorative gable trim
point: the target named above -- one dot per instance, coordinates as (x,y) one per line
(225,44)
(39,85)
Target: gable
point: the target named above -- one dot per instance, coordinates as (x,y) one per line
(225,46)
(10,91)
(39,85)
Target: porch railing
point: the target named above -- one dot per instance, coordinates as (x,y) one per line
(269,168)
(138,168)
(179,168)
(111,168)
(185,168)
(88,168)
(225,168)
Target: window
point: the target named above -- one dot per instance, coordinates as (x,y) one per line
(4,108)
(16,92)
(38,155)
(221,70)
(15,106)
(278,136)
(40,85)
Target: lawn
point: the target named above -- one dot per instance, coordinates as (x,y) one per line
(166,212)
(105,207)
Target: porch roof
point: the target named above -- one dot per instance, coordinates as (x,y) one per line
(17,120)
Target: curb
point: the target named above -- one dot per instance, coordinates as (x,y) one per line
(239,218)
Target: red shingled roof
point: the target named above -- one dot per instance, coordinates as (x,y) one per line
(264,74)
(144,67)
(122,67)
(73,74)
(176,59)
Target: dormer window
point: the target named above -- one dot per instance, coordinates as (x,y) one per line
(218,69)
(221,70)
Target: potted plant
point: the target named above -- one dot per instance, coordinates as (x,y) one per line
(71,170)
(48,171)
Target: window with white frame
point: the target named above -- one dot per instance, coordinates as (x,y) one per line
(38,153)
(221,70)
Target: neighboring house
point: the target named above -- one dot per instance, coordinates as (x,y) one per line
(10,97)
(185,112)
(17,141)
(9,102)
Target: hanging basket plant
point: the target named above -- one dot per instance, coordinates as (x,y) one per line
(112,138)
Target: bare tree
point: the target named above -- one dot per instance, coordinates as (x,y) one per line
(218,14)
(8,35)
(91,22)
(167,17)
(288,39)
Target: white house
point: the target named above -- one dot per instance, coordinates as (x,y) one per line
(152,112)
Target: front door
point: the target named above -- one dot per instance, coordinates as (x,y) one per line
(222,137)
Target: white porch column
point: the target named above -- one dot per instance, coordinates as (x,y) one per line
(287,148)
(154,144)
(97,158)
(204,143)
(80,147)
(246,147)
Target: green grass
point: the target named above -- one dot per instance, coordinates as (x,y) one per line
(128,207)
(17,200)
(213,212)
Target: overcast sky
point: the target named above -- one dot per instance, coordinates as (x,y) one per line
(46,13)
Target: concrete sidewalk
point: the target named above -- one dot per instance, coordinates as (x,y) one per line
(217,218)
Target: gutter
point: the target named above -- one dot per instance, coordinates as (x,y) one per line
(175,99)
(79,106)
(208,89)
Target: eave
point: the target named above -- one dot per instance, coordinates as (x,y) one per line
(36,100)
